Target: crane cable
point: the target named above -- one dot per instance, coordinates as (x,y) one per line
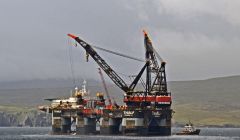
(71,62)
(122,55)
(119,54)
(101,49)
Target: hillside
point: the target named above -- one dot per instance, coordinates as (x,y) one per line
(213,101)
(205,102)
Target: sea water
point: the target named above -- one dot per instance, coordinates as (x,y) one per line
(42,133)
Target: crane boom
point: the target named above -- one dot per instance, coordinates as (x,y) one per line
(160,82)
(107,69)
(105,86)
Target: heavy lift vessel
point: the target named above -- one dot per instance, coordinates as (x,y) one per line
(148,111)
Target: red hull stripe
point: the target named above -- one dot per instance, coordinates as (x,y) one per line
(149,99)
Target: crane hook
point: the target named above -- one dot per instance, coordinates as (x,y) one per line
(87,56)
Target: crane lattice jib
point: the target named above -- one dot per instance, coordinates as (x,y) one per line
(150,49)
(159,83)
(108,70)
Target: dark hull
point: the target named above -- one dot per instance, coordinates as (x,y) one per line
(56,130)
(66,128)
(66,125)
(147,122)
(110,125)
(110,130)
(136,131)
(196,132)
(87,129)
(86,126)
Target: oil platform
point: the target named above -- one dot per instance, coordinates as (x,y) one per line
(145,112)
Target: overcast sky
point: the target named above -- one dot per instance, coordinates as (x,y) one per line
(198,39)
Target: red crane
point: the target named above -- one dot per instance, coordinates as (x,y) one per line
(105,86)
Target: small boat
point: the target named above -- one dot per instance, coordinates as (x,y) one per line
(189,130)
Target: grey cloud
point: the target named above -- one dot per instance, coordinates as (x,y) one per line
(33,39)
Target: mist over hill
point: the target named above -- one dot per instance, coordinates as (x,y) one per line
(213,101)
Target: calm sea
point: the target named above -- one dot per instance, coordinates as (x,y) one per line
(37,133)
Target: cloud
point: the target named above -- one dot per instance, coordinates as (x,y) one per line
(198,39)
(211,18)
(190,8)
